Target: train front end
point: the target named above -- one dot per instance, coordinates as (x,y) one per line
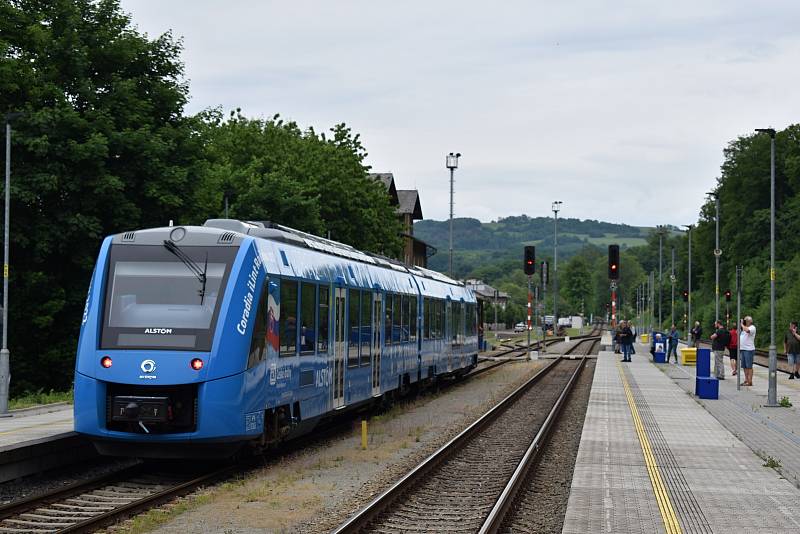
(161,368)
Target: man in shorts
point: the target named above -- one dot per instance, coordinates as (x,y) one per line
(747,349)
(791,346)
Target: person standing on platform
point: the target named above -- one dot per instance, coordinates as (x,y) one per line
(719,341)
(791,346)
(747,349)
(626,341)
(672,343)
(733,349)
(696,332)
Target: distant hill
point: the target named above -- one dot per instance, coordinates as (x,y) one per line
(475,242)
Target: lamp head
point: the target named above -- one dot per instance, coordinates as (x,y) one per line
(769,131)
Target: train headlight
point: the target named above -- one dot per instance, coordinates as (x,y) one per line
(106,362)
(196,364)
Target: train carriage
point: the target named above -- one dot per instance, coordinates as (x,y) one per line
(238,332)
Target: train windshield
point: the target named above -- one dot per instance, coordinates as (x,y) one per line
(164,297)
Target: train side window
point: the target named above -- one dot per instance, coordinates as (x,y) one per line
(288,324)
(426,318)
(412,329)
(397,322)
(438,321)
(354,313)
(324,303)
(387,321)
(308,317)
(258,346)
(366,327)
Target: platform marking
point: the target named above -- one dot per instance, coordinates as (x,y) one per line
(35,426)
(668,516)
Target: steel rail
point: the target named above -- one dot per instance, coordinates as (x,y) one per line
(498,513)
(371,511)
(92,523)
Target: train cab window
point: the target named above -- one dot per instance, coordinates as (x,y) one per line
(288,323)
(258,346)
(324,307)
(308,318)
(387,321)
(354,313)
(366,327)
(397,320)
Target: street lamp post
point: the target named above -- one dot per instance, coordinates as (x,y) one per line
(5,354)
(689,283)
(717,254)
(451,162)
(660,278)
(772,392)
(672,281)
(556,208)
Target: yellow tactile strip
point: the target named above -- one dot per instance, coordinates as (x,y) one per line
(665,506)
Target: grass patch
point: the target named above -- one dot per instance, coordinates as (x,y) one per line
(159,516)
(785,402)
(772,463)
(39,397)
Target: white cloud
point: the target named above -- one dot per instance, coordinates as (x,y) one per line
(620,110)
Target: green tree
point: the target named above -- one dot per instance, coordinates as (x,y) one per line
(578,290)
(272,170)
(103,147)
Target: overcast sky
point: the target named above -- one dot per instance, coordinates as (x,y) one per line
(619,109)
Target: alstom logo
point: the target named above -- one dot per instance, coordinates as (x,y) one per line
(158,330)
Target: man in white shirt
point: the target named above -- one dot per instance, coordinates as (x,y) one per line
(747,349)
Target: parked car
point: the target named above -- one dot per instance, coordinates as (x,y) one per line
(520,327)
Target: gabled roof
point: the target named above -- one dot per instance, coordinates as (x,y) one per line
(409,203)
(387,179)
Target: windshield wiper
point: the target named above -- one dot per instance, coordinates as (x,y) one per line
(191,265)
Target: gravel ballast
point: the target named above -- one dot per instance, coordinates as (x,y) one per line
(315,489)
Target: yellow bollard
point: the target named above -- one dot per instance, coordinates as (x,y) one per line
(364,435)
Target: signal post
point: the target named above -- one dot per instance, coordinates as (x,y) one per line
(530,268)
(613,276)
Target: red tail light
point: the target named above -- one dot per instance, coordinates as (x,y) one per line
(106,362)
(197,364)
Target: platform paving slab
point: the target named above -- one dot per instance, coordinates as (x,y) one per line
(768,431)
(714,481)
(33,443)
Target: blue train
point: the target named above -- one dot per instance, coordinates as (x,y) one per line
(197,340)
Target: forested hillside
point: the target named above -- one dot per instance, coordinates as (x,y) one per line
(475,243)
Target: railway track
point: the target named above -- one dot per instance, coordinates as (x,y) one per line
(457,488)
(98,502)
(92,504)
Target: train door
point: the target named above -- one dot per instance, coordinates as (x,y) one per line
(339,336)
(377,326)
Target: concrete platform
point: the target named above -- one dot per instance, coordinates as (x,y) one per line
(32,441)
(653,459)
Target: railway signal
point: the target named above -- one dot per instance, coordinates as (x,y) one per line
(685,294)
(728,295)
(530,260)
(613,262)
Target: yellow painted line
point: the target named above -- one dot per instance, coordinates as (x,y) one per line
(668,515)
(35,426)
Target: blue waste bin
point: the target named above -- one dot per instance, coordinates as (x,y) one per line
(705,385)
(658,347)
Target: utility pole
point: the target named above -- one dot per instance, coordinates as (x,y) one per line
(451,162)
(5,354)
(660,280)
(772,391)
(739,269)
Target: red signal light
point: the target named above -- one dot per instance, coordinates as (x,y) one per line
(106,362)
(196,364)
